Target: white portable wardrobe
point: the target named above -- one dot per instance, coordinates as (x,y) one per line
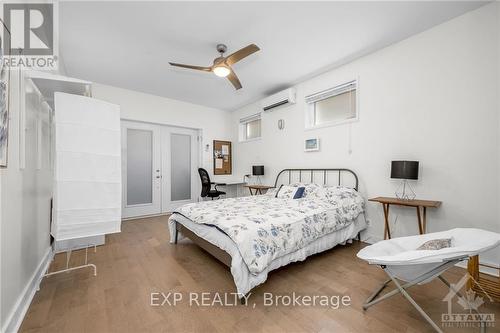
(86,148)
(87,173)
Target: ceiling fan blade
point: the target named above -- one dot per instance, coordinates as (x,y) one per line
(199,68)
(242,53)
(234,80)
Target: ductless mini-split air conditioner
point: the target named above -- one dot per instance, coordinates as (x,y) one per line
(283,98)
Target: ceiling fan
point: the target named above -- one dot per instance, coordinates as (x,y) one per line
(222,65)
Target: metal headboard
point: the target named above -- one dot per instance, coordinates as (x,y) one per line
(310,175)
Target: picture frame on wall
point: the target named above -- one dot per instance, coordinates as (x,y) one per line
(311,144)
(4,99)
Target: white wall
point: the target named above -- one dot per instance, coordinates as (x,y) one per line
(498,95)
(149,108)
(25,208)
(433,98)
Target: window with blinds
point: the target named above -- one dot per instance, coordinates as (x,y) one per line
(250,127)
(333,106)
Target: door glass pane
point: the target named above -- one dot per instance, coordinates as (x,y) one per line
(181,167)
(139,167)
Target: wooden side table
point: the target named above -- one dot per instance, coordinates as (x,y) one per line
(258,188)
(481,284)
(420,205)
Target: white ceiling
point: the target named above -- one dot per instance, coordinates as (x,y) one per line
(129,44)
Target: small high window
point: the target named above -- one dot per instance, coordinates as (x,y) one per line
(331,107)
(250,127)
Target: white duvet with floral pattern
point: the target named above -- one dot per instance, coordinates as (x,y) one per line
(265,228)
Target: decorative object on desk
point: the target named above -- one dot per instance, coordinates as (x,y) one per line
(222,157)
(4,103)
(405,170)
(258,170)
(311,144)
(281,124)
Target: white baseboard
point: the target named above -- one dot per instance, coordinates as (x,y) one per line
(16,315)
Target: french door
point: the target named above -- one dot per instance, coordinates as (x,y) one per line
(141,169)
(159,168)
(180,164)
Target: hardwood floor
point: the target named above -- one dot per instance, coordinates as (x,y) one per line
(139,260)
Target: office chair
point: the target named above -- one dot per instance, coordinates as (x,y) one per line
(206,185)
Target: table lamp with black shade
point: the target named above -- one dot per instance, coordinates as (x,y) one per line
(258,170)
(405,170)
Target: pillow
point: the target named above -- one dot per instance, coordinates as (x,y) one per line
(299,193)
(310,188)
(436,244)
(290,192)
(332,192)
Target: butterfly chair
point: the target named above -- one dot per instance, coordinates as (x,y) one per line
(402,260)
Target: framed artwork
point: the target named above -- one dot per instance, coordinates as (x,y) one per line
(222,157)
(311,144)
(4,100)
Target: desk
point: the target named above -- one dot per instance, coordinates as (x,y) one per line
(233,188)
(258,188)
(418,204)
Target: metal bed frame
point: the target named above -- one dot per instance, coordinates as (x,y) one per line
(313,175)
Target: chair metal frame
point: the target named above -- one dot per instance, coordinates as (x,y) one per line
(402,289)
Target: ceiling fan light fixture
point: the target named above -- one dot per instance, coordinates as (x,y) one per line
(221,71)
(222,65)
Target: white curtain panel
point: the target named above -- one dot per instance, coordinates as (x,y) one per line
(87,175)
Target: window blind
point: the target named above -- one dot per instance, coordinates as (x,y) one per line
(253,129)
(250,118)
(343,88)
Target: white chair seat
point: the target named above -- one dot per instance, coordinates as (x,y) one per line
(402,250)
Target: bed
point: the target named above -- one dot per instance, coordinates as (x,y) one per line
(257,234)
